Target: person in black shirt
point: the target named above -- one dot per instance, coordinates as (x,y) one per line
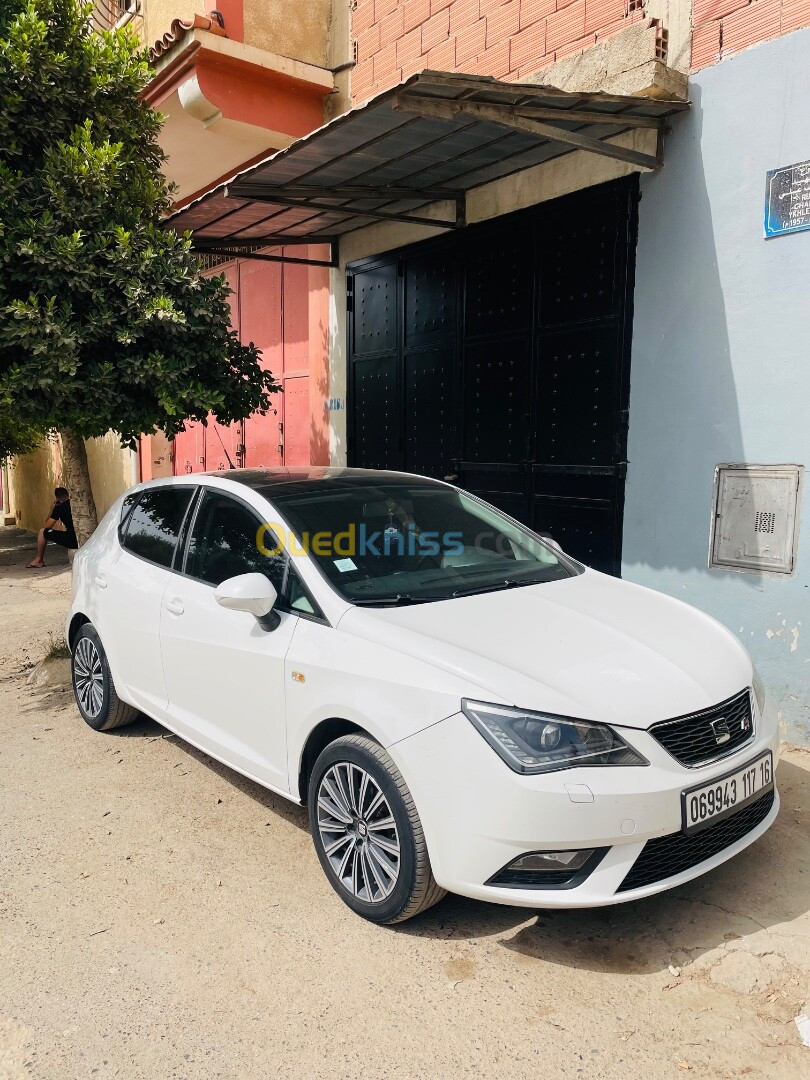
(65,537)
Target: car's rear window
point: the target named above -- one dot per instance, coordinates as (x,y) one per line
(154,523)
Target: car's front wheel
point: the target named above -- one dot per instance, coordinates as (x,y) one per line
(93,686)
(367,832)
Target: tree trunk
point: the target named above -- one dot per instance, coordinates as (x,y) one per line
(76,478)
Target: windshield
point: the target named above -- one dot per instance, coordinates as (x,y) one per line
(413,543)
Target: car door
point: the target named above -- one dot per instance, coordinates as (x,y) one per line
(130,579)
(224,671)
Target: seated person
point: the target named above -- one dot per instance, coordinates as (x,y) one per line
(64,537)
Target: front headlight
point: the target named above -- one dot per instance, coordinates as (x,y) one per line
(531,742)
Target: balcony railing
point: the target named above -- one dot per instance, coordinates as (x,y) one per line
(108,14)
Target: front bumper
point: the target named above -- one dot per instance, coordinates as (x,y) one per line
(478,815)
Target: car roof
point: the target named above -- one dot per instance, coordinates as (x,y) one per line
(295,480)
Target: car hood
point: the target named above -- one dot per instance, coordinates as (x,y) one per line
(589,646)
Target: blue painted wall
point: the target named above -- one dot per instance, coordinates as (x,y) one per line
(721,354)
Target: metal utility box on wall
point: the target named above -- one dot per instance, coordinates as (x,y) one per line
(755,521)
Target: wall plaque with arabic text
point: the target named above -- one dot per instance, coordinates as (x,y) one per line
(787,199)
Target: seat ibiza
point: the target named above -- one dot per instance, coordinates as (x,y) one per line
(461,705)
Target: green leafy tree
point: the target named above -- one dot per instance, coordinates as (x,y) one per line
(17,437)
(106,322)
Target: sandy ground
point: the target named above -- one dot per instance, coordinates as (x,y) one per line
(160,917)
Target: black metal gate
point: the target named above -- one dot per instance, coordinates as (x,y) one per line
(500,356)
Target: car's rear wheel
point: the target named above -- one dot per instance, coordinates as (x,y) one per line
(93,686)
(367,832)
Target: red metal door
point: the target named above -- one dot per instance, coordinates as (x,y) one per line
(260,304)
(270,306)
(296,317)
(155,456)
(295,321)
(188,450)
(224,443)
(296,420)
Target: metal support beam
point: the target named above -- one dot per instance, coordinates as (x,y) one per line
(659,145)
(226,252)
(342,191)
(273,240)
(261,194)
(510,117)
(587,116)
(476,84)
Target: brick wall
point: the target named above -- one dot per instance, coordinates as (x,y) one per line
(508,39)
(723,27)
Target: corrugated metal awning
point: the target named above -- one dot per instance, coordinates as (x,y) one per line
(428,141)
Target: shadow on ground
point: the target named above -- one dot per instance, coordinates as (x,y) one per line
(144,728)
(18,547)
(764,886)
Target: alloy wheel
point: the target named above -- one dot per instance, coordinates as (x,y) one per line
(88,677)
(358,832)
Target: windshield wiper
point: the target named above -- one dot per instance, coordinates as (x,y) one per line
(403,599)
(400,600)
(507,583)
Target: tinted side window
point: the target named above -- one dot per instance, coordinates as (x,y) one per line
(155,523)
(223,543)
(126,511)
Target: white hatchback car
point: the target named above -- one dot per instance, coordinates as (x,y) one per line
(461,706)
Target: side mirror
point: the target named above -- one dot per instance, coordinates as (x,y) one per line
(252,593)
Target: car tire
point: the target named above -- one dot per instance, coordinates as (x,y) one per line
(367,832)
(93,686)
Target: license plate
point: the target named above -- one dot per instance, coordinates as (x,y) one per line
(704,805)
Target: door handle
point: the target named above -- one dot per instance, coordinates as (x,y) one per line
(175,606)
(101,581)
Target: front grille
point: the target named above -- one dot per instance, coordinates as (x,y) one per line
(693,739)
(667,856)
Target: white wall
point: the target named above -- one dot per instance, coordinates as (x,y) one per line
(721,353)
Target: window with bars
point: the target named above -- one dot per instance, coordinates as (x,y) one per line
(211,262)
(110,13)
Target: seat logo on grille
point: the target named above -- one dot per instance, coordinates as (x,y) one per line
(721,730)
